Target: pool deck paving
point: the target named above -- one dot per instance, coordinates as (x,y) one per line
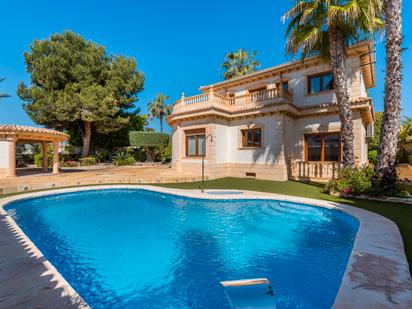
(30,180)
(377,274)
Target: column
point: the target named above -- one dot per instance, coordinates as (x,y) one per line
(11,141)
(45,156)
(179,145)
(55,157)
(211,94)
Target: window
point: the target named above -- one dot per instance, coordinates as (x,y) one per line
(320,82)
(195,143)
(322,147)
(285,85)
(252,138)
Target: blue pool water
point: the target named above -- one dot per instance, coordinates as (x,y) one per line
(124,248)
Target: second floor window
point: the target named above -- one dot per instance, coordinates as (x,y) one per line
(320,82)
(195,143)
(285,85)
(252,138)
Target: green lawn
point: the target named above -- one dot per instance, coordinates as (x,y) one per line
(399,213)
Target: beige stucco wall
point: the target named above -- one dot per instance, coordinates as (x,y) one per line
(283,136)
(360,144)
(4,154)
(326,123)
(225,156)
(298,84)
(271,151)
(283,140)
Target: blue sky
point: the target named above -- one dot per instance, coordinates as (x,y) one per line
(179,45)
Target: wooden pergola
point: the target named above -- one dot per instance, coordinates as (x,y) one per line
(12,134)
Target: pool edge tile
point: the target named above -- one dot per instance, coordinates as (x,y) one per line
(377,274)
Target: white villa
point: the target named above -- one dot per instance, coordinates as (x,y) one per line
(277,124)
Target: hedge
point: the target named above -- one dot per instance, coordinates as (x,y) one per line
(148,139)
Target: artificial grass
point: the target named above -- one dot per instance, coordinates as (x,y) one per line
(401,214)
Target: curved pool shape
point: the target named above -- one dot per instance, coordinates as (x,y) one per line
(134,248)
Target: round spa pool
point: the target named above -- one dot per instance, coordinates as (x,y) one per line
(135,248)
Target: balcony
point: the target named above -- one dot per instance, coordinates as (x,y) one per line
(226,103)
(314,171)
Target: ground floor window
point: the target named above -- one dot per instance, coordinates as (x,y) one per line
(252,137)
(322,147)
(195,143)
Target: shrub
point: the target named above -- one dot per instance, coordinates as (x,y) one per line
(86,161)
(123,158)
(69,163)
(352,180)
(100,156)
(164,153)
(150,141)
(373,156)
(410,159)
(139,154)
(23,159)
(38,159)
(20,162)
(69,157)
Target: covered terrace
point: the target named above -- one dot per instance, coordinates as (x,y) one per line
(10,135)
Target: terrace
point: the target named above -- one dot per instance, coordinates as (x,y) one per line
(227,104)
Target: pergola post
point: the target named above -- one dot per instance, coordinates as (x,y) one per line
(11,143)
(45,156)
(11,134)
(55,157)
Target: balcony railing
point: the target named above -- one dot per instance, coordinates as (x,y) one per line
(321,171)
(259,96)
(211,98)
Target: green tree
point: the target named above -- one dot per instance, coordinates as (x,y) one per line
(385,169)
(373,143)
(151,141)
(76,82)
(239,63)
(326,28)
(405,137)
(158,108)
(3,95)
(110,140)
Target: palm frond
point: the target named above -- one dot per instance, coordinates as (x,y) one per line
(239,63)
(310,20)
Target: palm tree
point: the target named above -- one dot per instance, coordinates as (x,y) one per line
(3,95)
(326,28)
(239,63)
(158,109)
(385,166)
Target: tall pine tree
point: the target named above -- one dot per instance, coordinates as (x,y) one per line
(76,82)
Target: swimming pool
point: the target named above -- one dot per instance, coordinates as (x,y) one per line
(136,248)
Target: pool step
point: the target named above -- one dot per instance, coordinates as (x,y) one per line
(250,293)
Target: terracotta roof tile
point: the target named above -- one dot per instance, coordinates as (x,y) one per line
(14,129)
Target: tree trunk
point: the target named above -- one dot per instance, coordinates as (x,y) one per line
(86,139)
(149,154)
(389,139)
(161,123)
(338,56)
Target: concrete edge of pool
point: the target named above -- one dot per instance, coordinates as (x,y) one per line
(377,274)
